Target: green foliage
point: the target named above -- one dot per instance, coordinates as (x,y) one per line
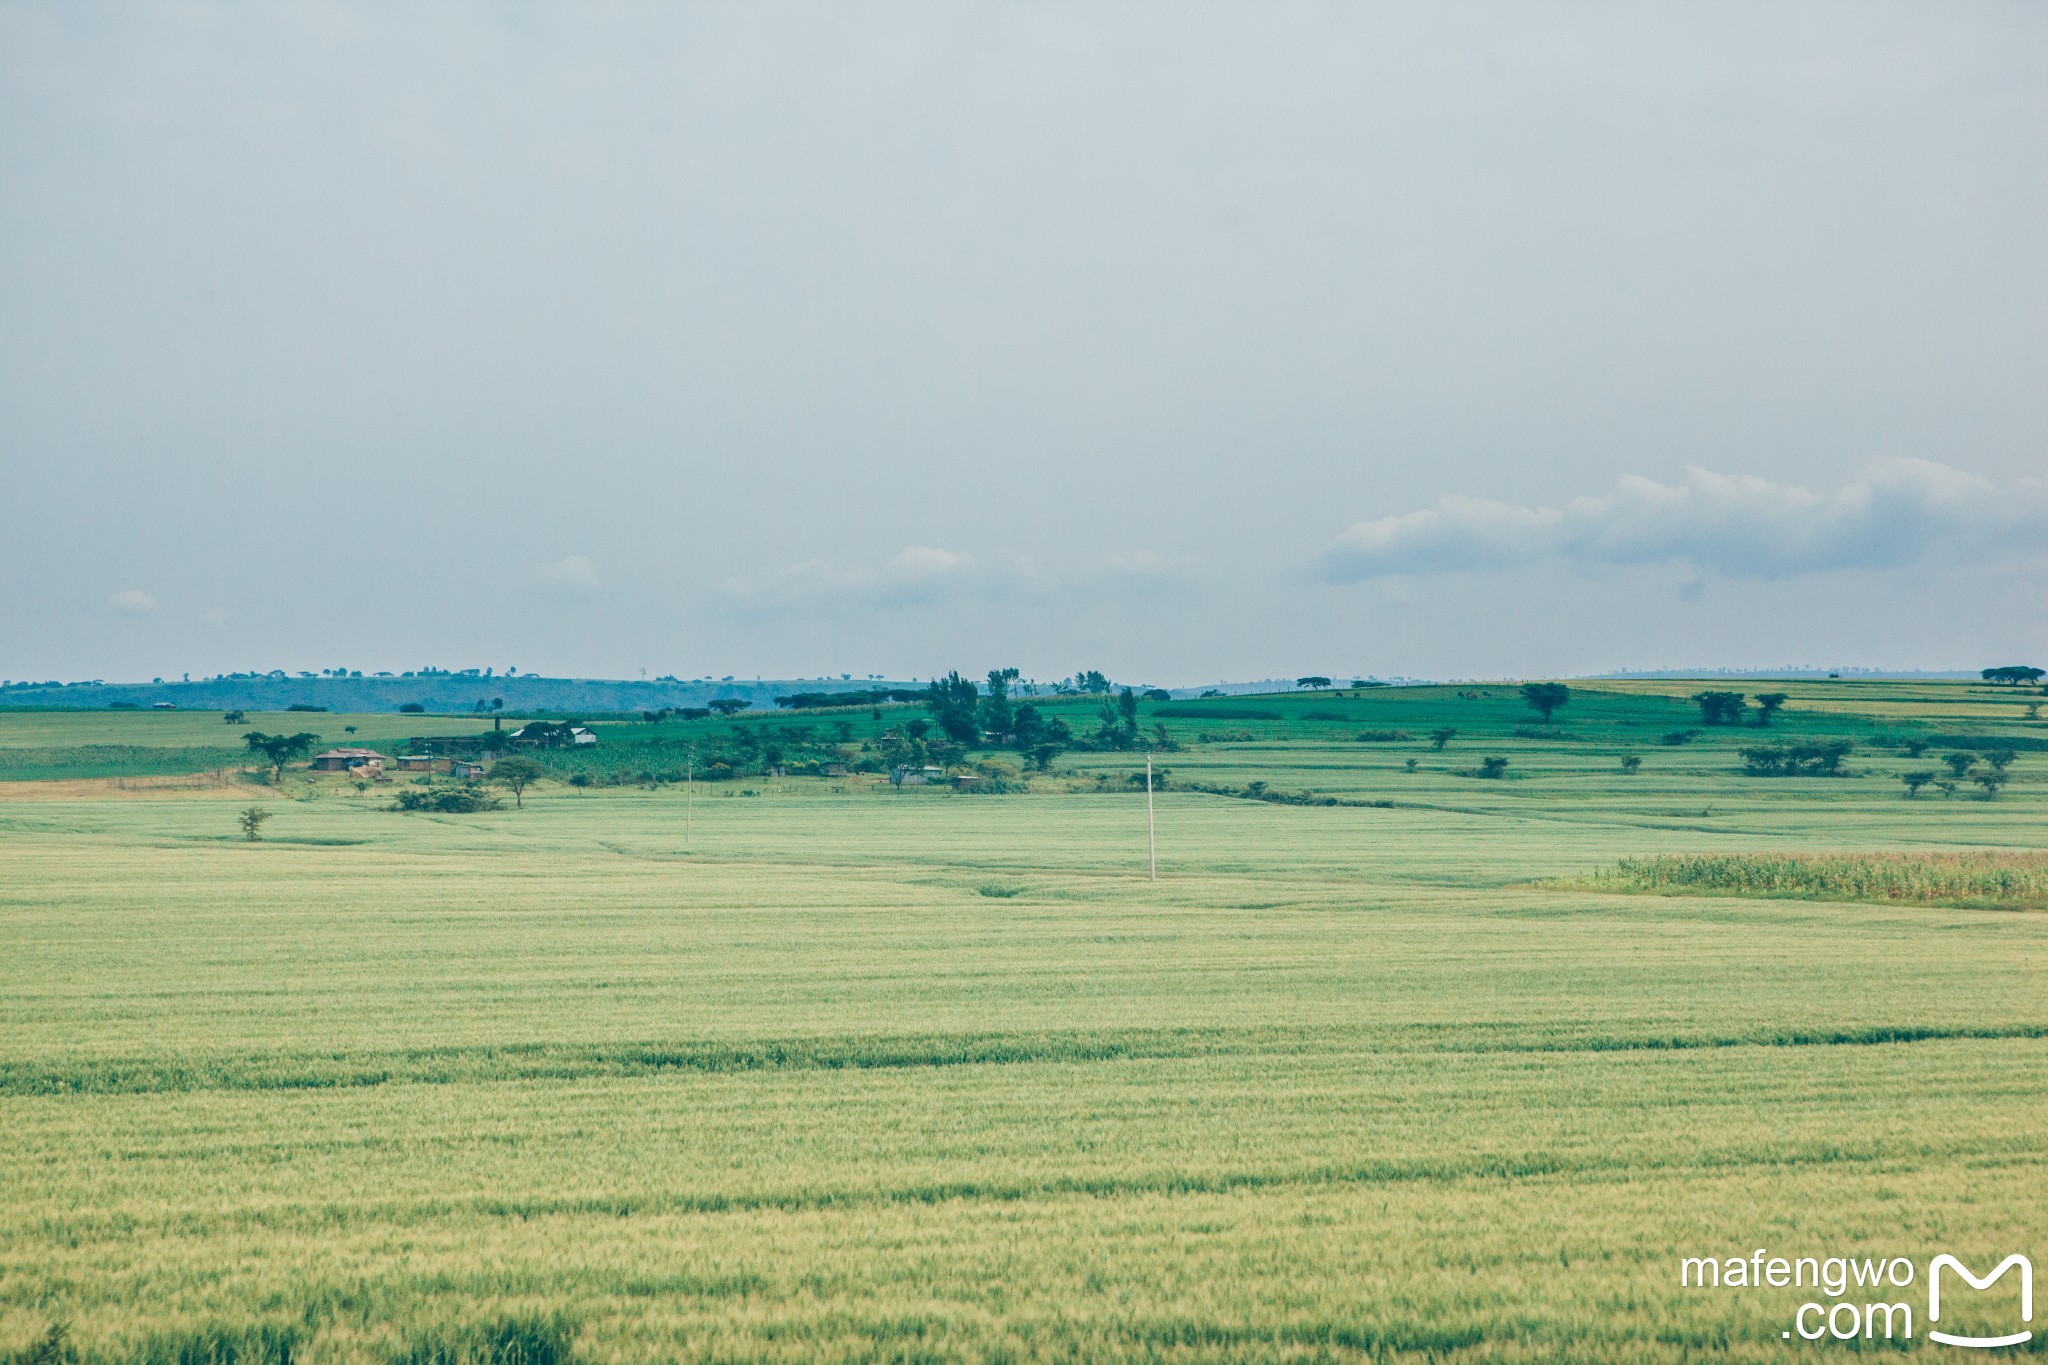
(1384,736)
(1916,780)
(1546,697)
(1677,737)
(2014,674)
(466,799)
(1720,708)
(412,708)
(1631,764)
(2004,880)
(251,821)
(997,716)
(728,706)
(516,774)
(1441,736)
(1817,758)
(278,750)
(525,1340)
(1493,768)
(1768,705)
(1316,683)
(1117,722)
(954,702)
(1960,764)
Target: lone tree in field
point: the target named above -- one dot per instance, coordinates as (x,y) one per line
(1768,704)
(1439,738)
(1493,767)
(234,717)
(251,820)
(1317,684)
(1915,781)
(517,774)
(1719,708)
(2012,673)
(1630,763)
(1546,697)
(278,750)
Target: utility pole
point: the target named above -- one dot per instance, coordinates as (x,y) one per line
(1151,829)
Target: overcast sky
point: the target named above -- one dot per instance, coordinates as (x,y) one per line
(1181,341)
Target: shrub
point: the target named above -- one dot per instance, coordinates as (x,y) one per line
(1630,763)
(1677,737)
(1492,768)
(463,800)
(1383,736)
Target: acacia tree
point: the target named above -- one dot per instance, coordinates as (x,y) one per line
(278,750)
(1719,708)
(2012,673)
(1317,684)
(1915,781)
(516,774)
(1546,697)
(1767,706)
(1960,763)
(1439,738)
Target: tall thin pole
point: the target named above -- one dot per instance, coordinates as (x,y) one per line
(1151,829)
(689,795)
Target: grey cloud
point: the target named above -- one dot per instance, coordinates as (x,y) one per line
(571,573)
(1898,512)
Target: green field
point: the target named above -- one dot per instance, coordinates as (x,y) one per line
(829,1070)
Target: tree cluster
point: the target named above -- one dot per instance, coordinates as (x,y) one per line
(1816,758)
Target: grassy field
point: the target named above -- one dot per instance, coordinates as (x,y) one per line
(828,1070)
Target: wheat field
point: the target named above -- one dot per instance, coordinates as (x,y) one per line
(839,1072)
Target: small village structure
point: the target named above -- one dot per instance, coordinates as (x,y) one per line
(348,760)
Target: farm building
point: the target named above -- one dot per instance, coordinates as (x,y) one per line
(579,735)
(467,771)
(423,763)
(347,760)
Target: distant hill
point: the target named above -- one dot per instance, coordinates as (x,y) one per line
(459,693)
(437,692)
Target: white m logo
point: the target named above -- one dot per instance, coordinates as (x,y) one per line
(2026,1298)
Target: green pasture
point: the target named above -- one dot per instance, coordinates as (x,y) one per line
(820,1069)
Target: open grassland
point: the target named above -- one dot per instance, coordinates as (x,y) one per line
(841,1072)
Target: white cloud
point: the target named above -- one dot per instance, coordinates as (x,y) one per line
(571,573)
(914,574)
(133,601)
(1896,513)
